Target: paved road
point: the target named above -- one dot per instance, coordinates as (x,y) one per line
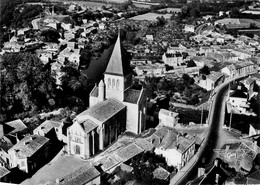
(206,155)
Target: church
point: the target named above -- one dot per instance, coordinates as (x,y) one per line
(114,107)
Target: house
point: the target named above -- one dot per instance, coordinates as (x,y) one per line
(211,81)
(16,125)
(216,173)
(150,69)
(149,38)
(229,70)
(102,26)
(86,175)
(238,100)
(168,118)
(189,28)
(170,59)
(29,153)
(238,155)
(177,149)
(48,129)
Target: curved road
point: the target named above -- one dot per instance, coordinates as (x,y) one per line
(206,155)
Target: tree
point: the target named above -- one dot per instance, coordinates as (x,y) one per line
(191,63)
(205,70)
(26,84)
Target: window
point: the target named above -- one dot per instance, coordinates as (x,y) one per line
(109,83)
(113,83)
(117,84)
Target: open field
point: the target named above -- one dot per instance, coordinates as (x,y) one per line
(150,16)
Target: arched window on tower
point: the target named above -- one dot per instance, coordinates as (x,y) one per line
(113,83)
(109,83)
(117,84)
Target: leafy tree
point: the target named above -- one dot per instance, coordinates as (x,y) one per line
(50,35)
(191,63)
(26,85)
(205,70)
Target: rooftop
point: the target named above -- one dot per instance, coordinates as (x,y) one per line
(81,176)
(29,145)
(3,171)
(18,125)
(129,152)
(132,96)
(102,111)
(89,125)
(108,162)
(47,125)
(168,113)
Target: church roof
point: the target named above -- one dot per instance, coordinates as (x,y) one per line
(88,125)
(104,110)
(117,64)
(132,95)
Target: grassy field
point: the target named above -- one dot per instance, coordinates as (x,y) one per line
(150,16)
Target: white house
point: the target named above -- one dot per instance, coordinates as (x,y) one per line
(176,149)
(189,28)
(168,118)
(170,59)
(238,100)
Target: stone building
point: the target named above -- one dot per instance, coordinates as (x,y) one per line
(115,106)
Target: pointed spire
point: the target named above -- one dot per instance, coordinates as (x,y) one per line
(115,64)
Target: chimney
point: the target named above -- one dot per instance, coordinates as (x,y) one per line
(216,163)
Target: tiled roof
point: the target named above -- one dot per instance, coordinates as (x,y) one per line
(161,173)
(18,125)
(117,61)
(94,92)
(108,162)
(161,132)
(89,125)
(29,145)
(47,125)
(129,152)
(103,111)
(132,96)
(254,178)
(81,176)
(3,171)
(144,144)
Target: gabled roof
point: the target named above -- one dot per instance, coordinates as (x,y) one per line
(88,125)
(17,125)
(29,145)
(102,111)
(3,171)
(47,125)
(81,176)
(117,64)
